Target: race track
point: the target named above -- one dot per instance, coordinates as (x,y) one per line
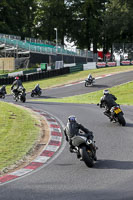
(65,177)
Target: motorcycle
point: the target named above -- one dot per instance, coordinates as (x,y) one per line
(116,115)
(89,82)
(85,149)
(2,95)
(34,93)
(20,95)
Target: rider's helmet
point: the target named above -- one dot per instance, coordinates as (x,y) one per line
(105,92)
(4,86)
(16,78)
(72,118)
(38,85)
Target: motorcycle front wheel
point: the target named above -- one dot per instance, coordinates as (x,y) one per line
(32,95)
(39,94)
(87,156)
(86,84)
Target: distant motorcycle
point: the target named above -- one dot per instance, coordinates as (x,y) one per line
(3,92)
(2,95)
(34,93)
(85,149)
(116,115)
(20,95)
(89,82)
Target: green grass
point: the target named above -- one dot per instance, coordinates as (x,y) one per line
(75,76)
(18,133)
(124,94)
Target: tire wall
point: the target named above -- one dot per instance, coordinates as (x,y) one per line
(36,76)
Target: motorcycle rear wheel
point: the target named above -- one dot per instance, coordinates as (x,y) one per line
(23,99)
(87,156)
(121,120)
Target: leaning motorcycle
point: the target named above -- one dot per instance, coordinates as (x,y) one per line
(34,93)
(116,114)
(85,149)
(2,95)
(89,82)
(20,95)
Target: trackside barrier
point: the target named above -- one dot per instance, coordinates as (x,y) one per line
(76,68)
(126,62)
(36,76)
(105,64)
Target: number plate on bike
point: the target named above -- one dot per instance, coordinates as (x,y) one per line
(118,111)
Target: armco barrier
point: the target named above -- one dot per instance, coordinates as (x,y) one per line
(36,76)
(76,68)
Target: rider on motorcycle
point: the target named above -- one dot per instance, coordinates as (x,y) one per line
(107,101)
(73,128)
(3,90)
(90,77)
(16,84)
(37,89)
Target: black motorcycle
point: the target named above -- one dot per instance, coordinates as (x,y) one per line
(2,95)
(115,114)
(85,149)
(20,94)
(36,93)
(89,82)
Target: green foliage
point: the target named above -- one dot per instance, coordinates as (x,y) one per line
(101,22)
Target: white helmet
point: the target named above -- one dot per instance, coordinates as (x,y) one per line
(72,118)
(105,92)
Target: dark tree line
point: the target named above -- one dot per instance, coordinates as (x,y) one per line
(86,22)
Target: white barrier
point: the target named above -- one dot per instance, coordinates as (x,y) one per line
(15,74)
(70,65)
(59,64)
(89,65)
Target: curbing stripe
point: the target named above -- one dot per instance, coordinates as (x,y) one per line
(49,151)
(21,172)
(52,148)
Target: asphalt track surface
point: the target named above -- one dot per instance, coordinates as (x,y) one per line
(65,177)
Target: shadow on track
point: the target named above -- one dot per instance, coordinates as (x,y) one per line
(99,86)
(114,164)
(129,125)
(43,97)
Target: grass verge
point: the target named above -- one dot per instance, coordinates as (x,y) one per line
(124,94)
(18,134)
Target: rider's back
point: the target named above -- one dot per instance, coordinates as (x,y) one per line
(72,129)
(109,99)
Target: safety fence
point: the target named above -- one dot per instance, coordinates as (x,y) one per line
(36,76)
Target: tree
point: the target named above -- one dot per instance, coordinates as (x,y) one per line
(16,17)
(85,27)
(50,14)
